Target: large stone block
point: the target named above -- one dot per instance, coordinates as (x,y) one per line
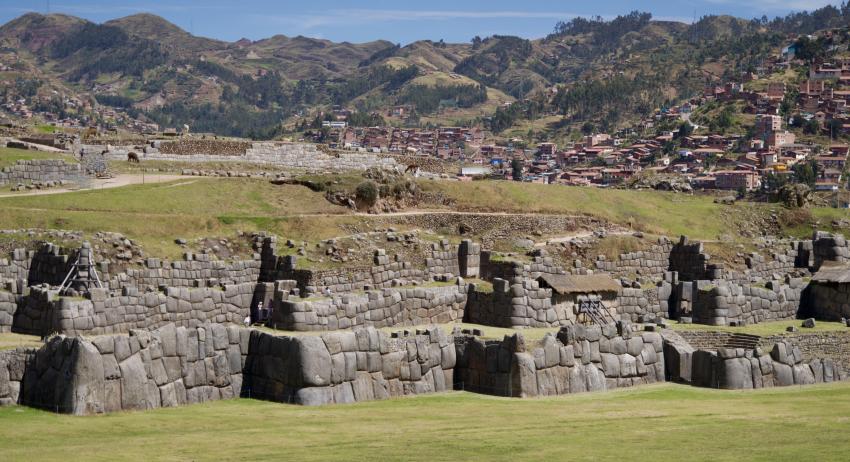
(134,393)
(315,361)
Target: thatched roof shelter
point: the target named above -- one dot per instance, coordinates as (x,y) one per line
(833,272)
(573,284)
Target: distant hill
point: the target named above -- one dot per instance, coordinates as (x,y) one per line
(606,72)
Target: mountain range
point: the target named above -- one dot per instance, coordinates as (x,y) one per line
(608,73)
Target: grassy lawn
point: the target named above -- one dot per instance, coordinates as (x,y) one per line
(10,341)
(11,156)
(649,211)
(191,207)
(487,332)
(766,328)
(155,214)
(661,422)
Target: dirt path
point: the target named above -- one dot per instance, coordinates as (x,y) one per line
(583,234)
(106,183)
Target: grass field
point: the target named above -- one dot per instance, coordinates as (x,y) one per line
(767,328)
(10,156)
(10,341)
(659,423)
(650,211)
(190,207)
(487,332)
(155,214)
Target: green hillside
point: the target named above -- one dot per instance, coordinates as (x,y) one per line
(608,73)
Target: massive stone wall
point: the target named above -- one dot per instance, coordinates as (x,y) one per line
(195,270)
(142,370)
(50,264)
(738,368)
(444,259)
(30,267)
(829,301)
(690,261)
(494,267)
(8,306)
(13,363)
(829,247)
(637,304)
(191,146)
(345,367)
(379,308)
(722,303)
(385,272)
(579,359)
(816,345)
(780,261)
(469,259)
(520,302)
(293,156)
(40,170)
(99,313)
(650,263)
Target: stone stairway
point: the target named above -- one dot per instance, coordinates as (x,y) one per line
(739,340)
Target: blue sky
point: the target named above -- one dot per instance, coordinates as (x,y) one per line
(398,21)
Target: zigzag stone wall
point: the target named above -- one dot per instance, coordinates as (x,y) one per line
(444,260)
(195,270)
(521,302)
(737,368)
(8,306)
(12,366)
(828,301)
(142,370)
(346,367)
(379,308)
(829,247)
(638,304)
(31,267)
(100,313)
(384,273)
(293,156)
(42,170)
(729,303)
(651,263)
(579,359)
(816,345)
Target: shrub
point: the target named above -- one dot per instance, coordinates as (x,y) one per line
(367,193)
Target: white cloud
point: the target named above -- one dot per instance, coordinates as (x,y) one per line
(367,16)
(779,5)
(108,8)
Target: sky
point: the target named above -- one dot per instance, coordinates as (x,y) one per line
(398,21)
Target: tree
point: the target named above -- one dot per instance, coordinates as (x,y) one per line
(835,128)
(772,182)
(724,120)
(811,127)
(806,173)
(685,129)
(516,169)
